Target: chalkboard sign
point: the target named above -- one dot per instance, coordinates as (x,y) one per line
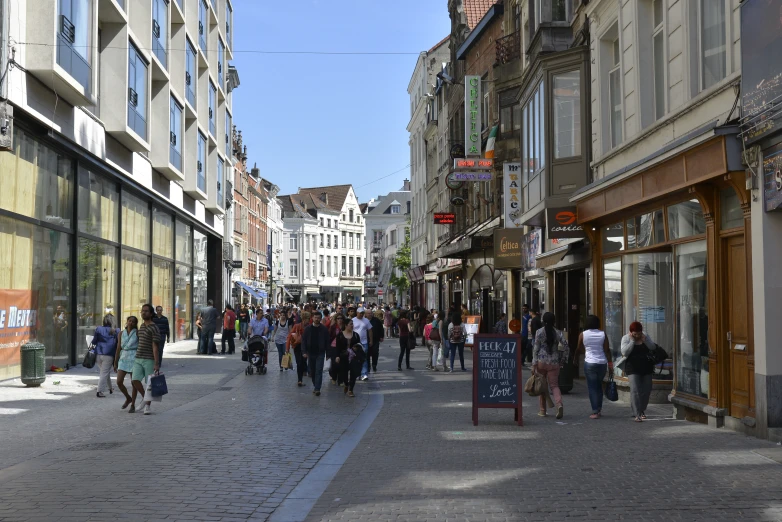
(496,379)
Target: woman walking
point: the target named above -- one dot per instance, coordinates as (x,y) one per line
(377,338)
(105,341)
(388,321)
(639,350)
(549,353)
(125,357)
(282,328)
(457,337)
(597,356)
(349,364)
(404,342)
(294,341)
(432,341)
(335,330)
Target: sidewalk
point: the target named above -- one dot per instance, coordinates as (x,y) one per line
(423,459)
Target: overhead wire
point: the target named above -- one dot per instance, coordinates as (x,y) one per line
(384,177)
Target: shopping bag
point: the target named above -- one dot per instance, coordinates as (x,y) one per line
(148,397)
(157,385)
(536,385)
(327,365)
(286,361)
(611,392)
(89,358)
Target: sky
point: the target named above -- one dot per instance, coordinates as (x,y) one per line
(319,120)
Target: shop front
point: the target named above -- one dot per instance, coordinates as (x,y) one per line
(417,285)
(80,242)
(331,293)
(449,277)
(670,249)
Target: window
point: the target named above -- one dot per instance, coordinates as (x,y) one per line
(307,241)
(567,114)
(485,111)
(344,264)
(658,58)
(294,242)
(320,259)
(328,266)
(220,58)
(229,18)
(137,92)
(212,112)
(336,243)
(228,146)
(175,136)
(219,183)
(321,221)
(203,25)
(392,238)
(344,242)
(350,266)
(294,264)
(201,164)
(328,241)
(559,11)
(160,30)
(321,241)
(692,347)
(645,230)
(685,220)
(307,268)
(712,36)
(395,209)
(350,213)
(190,75)
(533,159)
(351,240)
(329,223)
(615,94)
(74,40)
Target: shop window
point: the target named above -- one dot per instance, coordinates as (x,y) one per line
(184,243)
(199,250)
(685,220)
(98,206)
(135,222)
(613,238)
(692,319)
(199,289)
(135,283)
(161,284)
(731,214)
(96,288)
(184,300)
(162,233)
(567,114)
(645,230)
(37,181)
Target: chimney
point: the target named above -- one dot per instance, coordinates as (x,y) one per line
(256,172)
(406,185)
(324,197)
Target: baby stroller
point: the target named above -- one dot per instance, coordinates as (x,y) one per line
(255,352)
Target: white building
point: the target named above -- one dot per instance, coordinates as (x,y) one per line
(116,108)
(299,251)
(393,238)
(420,89)
(381,213)
(274,237)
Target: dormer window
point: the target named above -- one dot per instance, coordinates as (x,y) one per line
(395,209)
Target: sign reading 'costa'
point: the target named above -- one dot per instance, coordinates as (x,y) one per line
(562,223)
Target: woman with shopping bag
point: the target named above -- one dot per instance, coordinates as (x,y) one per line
(549,353)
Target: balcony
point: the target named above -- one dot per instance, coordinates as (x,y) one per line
(508,48)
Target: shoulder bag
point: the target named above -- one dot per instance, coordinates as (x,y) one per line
(434,335)
(612,394)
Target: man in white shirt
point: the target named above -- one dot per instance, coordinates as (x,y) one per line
(363,328)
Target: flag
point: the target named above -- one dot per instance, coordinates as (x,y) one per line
(490,142)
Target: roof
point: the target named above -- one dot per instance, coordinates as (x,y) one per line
(438,44)
(392,198)
(291,204)
(363,207)
(475,9)
(337,195)
(492,12)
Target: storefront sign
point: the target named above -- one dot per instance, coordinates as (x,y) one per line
(511,172)
(457,151)
(472,176)
(508,247)
(473,164)
(482,242)
(532,247)
(18,324)
(496,374)
(563,223)
(236,263)
(444,218)
(472,111)
(761,77)
(452,183)
(772,178)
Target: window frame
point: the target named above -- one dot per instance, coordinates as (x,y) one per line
(176,112)
(201,163)
(191,71)
(203,25)
(137,63)
(293,242)
(212,109)
(699,38)
(160,42)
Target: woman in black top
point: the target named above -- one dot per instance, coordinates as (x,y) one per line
(349,365)
(377,336)
(639,350)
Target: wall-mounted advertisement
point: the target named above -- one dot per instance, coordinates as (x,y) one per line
(511,174)
(532,248)
(18,324)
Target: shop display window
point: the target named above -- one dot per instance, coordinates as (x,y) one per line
(161,284)
(613,238)
(184,243)
(692,322)
(98,206)
(135,284)
(183,315)
(162,233)
(96,289)
(685,220)
(199,289)
(135,222)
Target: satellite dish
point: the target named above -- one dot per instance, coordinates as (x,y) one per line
(457,201)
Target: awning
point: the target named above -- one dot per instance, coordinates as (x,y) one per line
(317,297)
(249,290)
(286,291)
(464,243)
(416,274)
(554,257)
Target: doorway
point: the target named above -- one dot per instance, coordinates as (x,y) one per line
(742,385)
(570,303)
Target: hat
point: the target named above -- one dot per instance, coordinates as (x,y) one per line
(360,310)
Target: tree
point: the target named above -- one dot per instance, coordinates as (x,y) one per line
(402,262)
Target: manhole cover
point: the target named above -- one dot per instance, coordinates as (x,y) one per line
(97,446)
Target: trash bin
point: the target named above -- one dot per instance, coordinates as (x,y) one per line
(33,363)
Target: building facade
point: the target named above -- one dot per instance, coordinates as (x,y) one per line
(108,204)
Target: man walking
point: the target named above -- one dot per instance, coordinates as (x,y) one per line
(244,321)
(146,363)
(161,321)
(363,327)
(208,326)
(525,317)
(313,344)
(229,330)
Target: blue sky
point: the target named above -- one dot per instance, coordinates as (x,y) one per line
(317,120)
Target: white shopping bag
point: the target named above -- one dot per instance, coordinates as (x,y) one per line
(327,365)
(148,392)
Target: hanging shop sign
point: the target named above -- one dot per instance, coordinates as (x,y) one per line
(452,183)
(482,242)
(496,374)
(473,164)
(457,201)
(236,263)
(532,247)
(508,247)
(472,111)
(444,218)
(457,151)
(772,178)
(472,176)
(511,174)
(562,223)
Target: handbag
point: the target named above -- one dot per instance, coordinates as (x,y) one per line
(360,353)
(89,358)
(157,385)
(286,361)
(535,385)
(411,341)
(434,335)
(612,394)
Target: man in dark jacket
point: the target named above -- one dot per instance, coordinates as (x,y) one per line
(161,321)
(314,342)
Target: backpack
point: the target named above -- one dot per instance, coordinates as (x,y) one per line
(457,334)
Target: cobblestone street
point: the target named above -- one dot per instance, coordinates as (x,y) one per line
(226,446)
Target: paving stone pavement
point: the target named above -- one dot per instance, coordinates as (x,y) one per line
(221,446)
(423,460)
